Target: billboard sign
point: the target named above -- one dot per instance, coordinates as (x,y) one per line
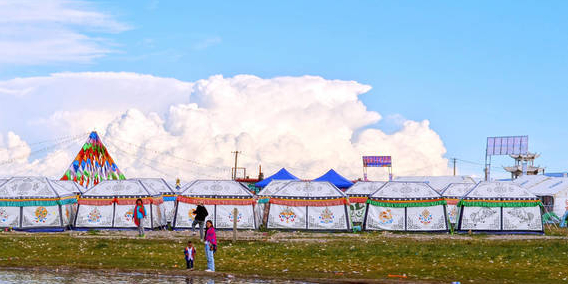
(377,161)
(507,145)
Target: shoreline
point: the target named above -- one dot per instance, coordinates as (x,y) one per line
(201,274)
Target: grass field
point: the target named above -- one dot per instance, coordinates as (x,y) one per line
(441,258)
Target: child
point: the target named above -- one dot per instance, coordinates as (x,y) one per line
(189,255)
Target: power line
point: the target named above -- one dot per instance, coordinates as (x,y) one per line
(171,155)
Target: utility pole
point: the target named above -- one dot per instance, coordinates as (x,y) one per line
(235,168)
(454,166)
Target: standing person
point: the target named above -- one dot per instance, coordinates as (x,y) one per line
(200,215)
(210,246)
(189,255)
(139,215)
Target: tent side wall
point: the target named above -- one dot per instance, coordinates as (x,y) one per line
(115,216)
(323,218)
(220,215)
(412,219)
(500,219)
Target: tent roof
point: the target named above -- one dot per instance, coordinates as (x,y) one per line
(364,187)
(529,181)
(457,189)
(550,187)
(122,188)
(336,179)
(92,164)
(282,174)
(437,182)
(25,187)
(399,189)
(156,185)
(309,189)
(69,185)
(503,190)
(215,188)
(273,187)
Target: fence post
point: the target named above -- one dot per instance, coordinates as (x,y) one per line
(235,214)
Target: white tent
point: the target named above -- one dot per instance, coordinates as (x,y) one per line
(406,206)
(500,207)
(35,204)
(308,205)
(453,194)
(438,183)
(358,195)
(554,194)
(220,197)
(168,194)
(529,181)
(110,205)
(70,186)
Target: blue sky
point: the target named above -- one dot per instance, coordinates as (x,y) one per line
(472,69)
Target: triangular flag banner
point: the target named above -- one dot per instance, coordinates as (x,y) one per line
(92,164)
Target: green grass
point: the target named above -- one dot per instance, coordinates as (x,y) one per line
(366,255)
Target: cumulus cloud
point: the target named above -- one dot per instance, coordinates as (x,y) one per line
(170,128)
(39,32)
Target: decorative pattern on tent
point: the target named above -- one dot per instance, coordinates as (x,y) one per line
(500,206)
(110,204)
(358,195)
(453,194)
(309,206)
(35,203)
(406,206)
(92,164)
(219,197)
(169,196)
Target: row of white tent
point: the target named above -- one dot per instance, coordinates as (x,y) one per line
(35,203)
(553,191)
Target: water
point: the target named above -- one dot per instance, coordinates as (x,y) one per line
(51,277)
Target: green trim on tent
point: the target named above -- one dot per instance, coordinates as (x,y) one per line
(510,203)
(407,204)
(37,203)
(263,200)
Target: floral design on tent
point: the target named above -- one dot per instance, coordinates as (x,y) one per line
(110,204)
(500,206)
(219,197)
(308,205)
(264,197)
(358,195)
(35,203)
(92,164)
(453,194)
(406,206)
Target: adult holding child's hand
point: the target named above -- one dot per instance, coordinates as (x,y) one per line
(210,245)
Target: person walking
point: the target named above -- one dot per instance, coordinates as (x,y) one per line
(210,246)
(139,215)
(200,215)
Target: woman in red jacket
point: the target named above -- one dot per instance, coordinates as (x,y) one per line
(139,215)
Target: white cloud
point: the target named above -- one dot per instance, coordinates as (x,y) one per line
(39,32)
(188,129)
(208,42)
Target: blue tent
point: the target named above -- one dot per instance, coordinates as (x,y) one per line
(335,178)
(282,174)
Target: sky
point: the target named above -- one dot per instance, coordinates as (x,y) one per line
(423,81)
